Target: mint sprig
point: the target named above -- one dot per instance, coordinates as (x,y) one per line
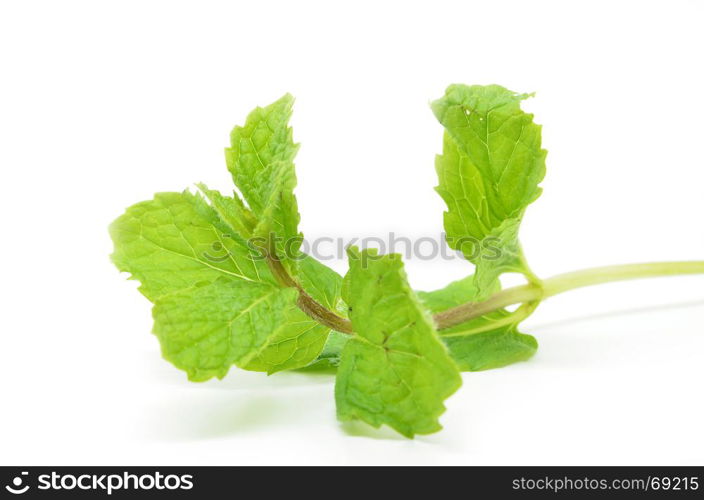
(230,285)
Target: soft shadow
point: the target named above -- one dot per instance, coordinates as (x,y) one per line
(621,312)
(355,428)
(214,415)
(165,373)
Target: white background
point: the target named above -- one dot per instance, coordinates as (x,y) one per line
(104,103)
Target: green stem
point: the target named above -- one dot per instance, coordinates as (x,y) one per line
(512,319)
(530,276)
(597,275)
(535,292)
(314,309)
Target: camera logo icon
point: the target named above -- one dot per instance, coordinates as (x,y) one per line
(16,488)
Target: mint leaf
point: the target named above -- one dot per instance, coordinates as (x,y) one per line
(258,327)
(329,357)
(395,370)
(482,343)
(260,160)
(489,172)
(232,211)
(177,241)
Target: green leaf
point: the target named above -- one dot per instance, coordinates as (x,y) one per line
(489,172)
(258,327)
(232,211)
(177,241)
(260,160)
(329,357)
(395,370)
(491,341)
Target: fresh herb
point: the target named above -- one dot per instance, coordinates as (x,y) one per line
(230,285)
